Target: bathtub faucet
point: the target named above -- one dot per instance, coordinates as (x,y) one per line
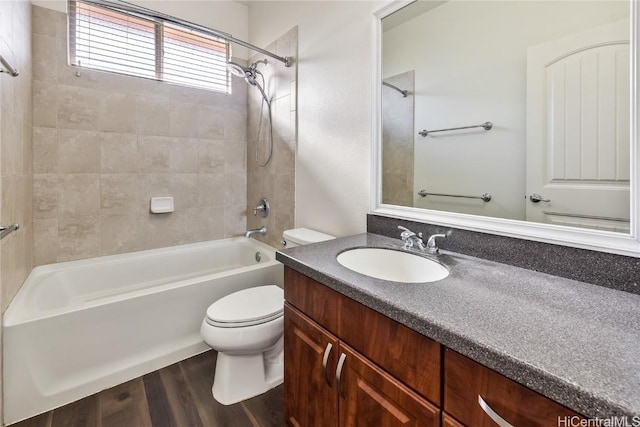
(262,231)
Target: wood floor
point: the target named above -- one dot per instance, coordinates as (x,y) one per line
(176,396)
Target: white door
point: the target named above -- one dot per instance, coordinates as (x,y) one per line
(578,129)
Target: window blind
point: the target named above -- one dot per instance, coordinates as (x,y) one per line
(119,42)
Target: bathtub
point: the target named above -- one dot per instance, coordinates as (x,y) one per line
(79,327)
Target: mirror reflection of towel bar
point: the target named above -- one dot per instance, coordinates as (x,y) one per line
(485,126)
(486,197)
(8,68)
(5,231)
(573,215)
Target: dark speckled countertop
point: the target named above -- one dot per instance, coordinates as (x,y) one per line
(573,342)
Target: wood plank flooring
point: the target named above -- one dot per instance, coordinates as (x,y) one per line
(176,396)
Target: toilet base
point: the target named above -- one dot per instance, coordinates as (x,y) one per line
(241,377)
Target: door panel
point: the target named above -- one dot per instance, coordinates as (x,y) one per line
(578,129)
(310,400)
(371,397)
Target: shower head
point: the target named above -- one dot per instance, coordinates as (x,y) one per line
(251,79)
(237,70)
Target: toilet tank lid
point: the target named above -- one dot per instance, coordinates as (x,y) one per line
(304,236)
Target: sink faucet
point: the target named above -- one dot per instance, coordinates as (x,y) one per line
(411,239)
(262,231)
(432,248)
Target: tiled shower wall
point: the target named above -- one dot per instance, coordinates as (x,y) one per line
(397,140)
(104,144)
(15,150)
(275,181)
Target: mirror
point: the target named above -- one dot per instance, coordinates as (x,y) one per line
(509,116)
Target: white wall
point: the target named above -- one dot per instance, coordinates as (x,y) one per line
(225,15)
(470,64)
(334,106)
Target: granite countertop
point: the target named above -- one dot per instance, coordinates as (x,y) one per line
(573,342)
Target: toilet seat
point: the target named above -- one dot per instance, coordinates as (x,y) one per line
(248,307)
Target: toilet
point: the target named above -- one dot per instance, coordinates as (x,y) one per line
(246,328)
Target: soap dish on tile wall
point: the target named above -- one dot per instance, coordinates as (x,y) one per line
(161,205)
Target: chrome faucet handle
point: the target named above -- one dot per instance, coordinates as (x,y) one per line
(262,209)
(432,247)
(410,239)
(406,233)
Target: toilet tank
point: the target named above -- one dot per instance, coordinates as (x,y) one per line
(303,236)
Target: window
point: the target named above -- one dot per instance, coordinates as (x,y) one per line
(125,43)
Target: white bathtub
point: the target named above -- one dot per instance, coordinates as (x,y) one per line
(79,327)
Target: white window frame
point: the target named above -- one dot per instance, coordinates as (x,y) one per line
(159,43)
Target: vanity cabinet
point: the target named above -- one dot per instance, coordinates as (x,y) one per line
(479,397)
(331,381)
(351,392)
(339,372)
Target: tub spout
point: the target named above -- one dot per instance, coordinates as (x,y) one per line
(262,231)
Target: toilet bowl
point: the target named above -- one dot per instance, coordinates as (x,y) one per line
(246,328)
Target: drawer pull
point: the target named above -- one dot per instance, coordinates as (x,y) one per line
(325,358)
(492,414)
(343,357)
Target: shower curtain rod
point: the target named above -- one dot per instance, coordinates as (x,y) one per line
(403,92)
(124,6)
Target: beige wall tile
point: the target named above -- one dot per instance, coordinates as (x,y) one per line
(45,241)
(235,219)
(78,151)
(118,153)
(106,143)
(9,198)
(118,193)
(11,133)
(153,116)
(282,118)
(45,104)
(45,196)
(16,150)
(160,230)
(207,223)
(235,123)
(152,185)
(211,190)
(44,21)
(44,57)
(183,157)
(78,237)
(79,108)
(284,156)
(235,185)
(119,234)
(154,154)
(184,189)
(211,156)
(183,120)
(235,156)
(78,194)
(210,121)
(118,113)
(276,181)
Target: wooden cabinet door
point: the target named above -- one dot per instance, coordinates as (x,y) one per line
(449,421)
(477,396)
(370,397)
(310,396)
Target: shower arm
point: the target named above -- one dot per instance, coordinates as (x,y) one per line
(124,6)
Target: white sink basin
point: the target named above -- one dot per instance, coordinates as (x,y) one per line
(392,265)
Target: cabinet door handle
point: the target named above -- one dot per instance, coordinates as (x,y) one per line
(325,358)
(492,414)
(343,357)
